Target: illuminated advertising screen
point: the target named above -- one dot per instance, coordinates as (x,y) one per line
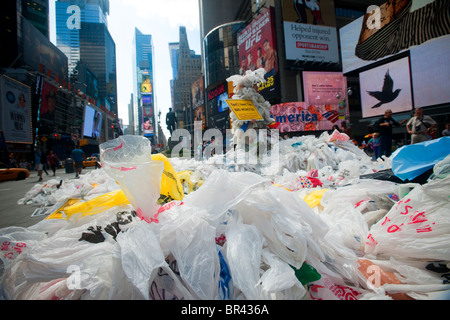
(15,111)
(48,103)
(326,93)
(146,86)
(430,72)
(89,115)
(197,91)
(257,49)
(394,28)
(148,127)
(309,31)
(386,87)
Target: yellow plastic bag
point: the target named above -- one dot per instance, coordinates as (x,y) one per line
(90,207)
(171,187)
(313,198)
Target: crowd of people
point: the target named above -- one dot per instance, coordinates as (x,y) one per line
(381,141)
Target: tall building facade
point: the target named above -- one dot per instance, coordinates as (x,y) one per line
(145,111)
(82,35)
(69,16)
(188,71)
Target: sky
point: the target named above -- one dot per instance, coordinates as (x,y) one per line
(162,20)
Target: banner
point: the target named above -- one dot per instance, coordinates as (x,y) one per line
(299,116)
(15,111)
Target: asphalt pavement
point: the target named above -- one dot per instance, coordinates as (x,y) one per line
(13,214)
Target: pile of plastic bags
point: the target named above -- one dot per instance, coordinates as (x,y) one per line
(306,227)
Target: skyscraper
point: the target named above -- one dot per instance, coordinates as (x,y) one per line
(188,71)
(69,16)
(143,85)
(82,34)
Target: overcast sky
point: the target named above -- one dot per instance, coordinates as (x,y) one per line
(162,20)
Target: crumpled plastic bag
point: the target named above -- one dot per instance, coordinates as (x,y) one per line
(128,160)
(417,226)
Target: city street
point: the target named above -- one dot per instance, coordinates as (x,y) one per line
(12,214)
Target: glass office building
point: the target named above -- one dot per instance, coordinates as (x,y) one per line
(68,28)
(143,85)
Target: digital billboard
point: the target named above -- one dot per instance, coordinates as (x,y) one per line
(257,49)
(386,87)
(93,122)
(326,92)
(402,25)
(197,92)
(15,111)
(48,103)
(430,70)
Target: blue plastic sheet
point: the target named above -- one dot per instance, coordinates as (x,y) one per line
(411,161)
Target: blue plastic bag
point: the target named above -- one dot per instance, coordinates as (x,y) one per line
(411,161)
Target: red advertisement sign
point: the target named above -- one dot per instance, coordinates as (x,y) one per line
(257,49)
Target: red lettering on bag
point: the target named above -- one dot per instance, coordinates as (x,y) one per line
(416,218)
(386,219)
(394,228)
(406,210)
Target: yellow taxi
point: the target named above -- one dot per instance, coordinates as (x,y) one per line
(90,162)
(7,174)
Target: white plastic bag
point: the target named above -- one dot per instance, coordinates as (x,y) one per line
(417,226)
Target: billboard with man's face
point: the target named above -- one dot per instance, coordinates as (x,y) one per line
(257,49)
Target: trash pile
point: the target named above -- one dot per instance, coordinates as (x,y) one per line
(304,227)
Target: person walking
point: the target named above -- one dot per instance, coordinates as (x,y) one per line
(38,163)
(52,160)
(384,127)
(420,126)
(78,157)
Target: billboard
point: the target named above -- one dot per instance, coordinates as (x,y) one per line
(197,92)
(48,103)
(15,111)
(309,31)
(146,86)
(402,25)
(42,55)
(386,87)
(257,49)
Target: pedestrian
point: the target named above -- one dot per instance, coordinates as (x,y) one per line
(384,127)
(375,143)
(446,132)
(44,161)
(78,157)
(346,129)
(37,162)
(53,160)
(420,126)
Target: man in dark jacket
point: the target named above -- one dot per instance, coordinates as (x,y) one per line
(384,127)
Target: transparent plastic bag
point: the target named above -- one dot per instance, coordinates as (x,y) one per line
(128,160)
